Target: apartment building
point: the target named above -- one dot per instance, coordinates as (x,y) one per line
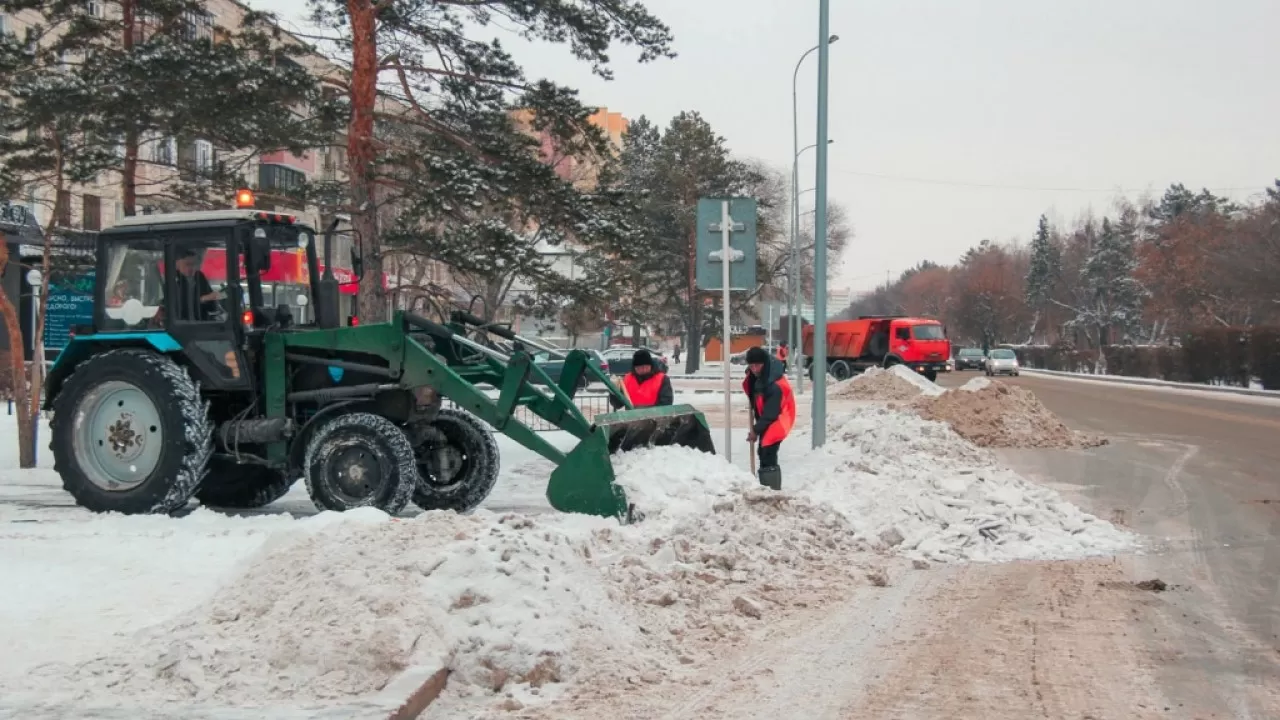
(584,174)
(163,162)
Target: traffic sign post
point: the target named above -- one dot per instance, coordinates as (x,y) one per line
(727,238)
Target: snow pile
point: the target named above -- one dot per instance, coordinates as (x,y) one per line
(699,578)
(895,383)
(1000,415)
(677,481)
(526,608)
(339,614)
(515,605)
(916,486)
(976,384)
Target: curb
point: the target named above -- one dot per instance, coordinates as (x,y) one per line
(1154,383)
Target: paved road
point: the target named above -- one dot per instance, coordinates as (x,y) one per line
(1201,475)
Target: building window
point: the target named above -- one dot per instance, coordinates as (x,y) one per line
(279,177)
(204,157)
(91,213)
(62,209)
(197,25)
(164,151)
(95,8)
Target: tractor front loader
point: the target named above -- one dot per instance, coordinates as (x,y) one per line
(178,390)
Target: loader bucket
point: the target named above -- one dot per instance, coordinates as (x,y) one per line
(584,482)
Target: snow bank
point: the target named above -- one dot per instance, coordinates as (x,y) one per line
(916,486)
(518,606)
(525,608)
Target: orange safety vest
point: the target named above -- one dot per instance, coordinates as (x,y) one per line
(781,427)
(643,393)
(782,354)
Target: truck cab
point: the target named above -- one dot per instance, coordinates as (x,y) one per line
(920,343)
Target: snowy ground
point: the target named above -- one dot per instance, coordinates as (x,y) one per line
(307,615)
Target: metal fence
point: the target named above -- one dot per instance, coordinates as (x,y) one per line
(591,405)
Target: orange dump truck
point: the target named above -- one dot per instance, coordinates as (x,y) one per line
(881,341)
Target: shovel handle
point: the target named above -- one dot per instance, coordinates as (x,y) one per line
(753,458)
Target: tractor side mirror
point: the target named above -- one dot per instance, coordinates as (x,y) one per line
(260,250)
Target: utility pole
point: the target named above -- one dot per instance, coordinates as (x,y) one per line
(820,234)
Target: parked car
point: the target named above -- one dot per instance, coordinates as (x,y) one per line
(1002,361)
(553,366)
(971,359)
(619,359)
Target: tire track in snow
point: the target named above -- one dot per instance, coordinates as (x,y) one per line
(816,672)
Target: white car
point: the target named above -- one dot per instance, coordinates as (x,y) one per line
(1002,362)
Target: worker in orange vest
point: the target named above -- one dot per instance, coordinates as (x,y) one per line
(782,352)
(773,411)
(645,387)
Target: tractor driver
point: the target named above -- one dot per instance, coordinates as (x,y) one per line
(197,301)
(643,386)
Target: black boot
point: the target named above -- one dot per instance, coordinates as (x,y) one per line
(771,477)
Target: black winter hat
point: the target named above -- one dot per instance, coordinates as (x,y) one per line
(641,357)
(757,355)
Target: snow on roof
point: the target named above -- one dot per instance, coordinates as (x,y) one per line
(181,217)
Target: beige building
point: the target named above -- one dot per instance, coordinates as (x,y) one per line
(164,160)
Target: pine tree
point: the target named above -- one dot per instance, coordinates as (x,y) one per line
(218,104)
(470,169)
(51,139)
(1113,311)
(1044,272)
(665,176)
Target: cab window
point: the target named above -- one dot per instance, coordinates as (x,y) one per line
(134,289)
(928,332)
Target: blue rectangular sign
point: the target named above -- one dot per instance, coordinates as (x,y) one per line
(70,303)
(742,266)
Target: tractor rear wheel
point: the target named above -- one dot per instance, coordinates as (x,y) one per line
(458,461)
(234,486)
(131,434)
(360,460)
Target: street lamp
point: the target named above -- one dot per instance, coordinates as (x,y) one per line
(793,300)
(820,234)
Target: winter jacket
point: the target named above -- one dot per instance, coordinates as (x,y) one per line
(773,405)
(652,390)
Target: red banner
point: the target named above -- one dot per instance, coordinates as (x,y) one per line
(287,266)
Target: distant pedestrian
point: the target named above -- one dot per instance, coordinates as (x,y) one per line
(675,356)
(782,353)
(773,411)
(643,386)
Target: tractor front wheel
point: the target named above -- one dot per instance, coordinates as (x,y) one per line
(131,434)
(458,461)
(234,486)
(360,460)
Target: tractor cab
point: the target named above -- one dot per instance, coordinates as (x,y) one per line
(196,280)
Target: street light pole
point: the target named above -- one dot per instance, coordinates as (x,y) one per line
(820,234)
(794,334)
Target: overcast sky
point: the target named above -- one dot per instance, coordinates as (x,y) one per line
(958,120)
